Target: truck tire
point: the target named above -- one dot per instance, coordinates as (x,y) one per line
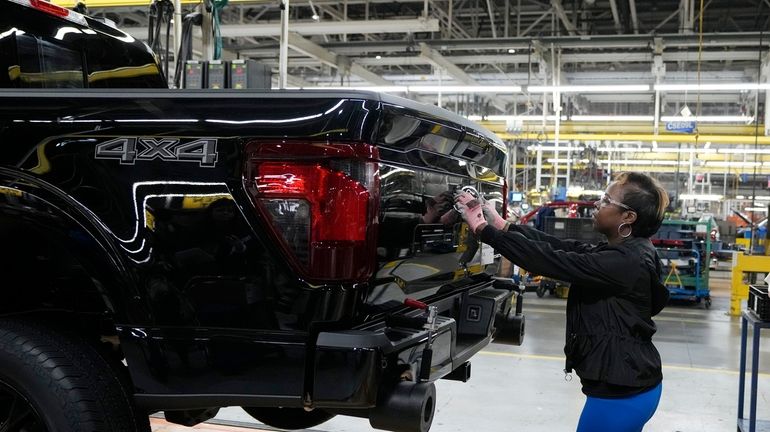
(289,418)
(53,381)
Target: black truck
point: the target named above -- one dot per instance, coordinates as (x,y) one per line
(293,253)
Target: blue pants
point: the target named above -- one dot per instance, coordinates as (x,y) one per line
(619,415)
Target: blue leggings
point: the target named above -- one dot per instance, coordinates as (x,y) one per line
(619,415)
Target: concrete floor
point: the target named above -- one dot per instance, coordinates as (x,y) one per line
(523,388)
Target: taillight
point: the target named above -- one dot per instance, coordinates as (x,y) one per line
(320,201)
(55,10)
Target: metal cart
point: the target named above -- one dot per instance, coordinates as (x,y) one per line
(685,250)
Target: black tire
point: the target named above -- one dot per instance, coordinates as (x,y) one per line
(289,418)
(540,290)
(66,384)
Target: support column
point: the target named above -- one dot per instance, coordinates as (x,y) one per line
(283,53)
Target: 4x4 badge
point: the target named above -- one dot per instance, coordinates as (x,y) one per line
(130,150)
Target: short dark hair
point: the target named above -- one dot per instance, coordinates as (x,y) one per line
(648,199)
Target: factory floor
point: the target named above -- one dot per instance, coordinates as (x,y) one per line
(522,388)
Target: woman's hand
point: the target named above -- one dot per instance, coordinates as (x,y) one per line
(471,210)
(493,218)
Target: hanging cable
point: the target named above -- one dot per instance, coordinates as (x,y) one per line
(161,11)
(216,6)
(185,47)
(756,144)
(700,56)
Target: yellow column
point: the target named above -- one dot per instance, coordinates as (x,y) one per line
(744,264)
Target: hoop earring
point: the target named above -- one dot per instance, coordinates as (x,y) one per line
(620,227)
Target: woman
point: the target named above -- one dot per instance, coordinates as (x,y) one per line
(615,290)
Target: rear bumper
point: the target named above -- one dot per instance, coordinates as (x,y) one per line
(351,368)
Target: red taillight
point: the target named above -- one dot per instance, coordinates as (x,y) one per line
(49,8)
(321,201)
(52,9)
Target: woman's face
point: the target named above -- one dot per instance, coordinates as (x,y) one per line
(611,211)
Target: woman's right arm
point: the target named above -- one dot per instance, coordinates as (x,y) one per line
(610,267)
(537,235)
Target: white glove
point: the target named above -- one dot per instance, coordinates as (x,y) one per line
(493,218)
(471,210)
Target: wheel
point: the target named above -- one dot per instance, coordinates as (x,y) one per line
(289,418)
(708,303)
(540,290)
(52,381)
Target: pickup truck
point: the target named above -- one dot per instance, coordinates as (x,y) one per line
(293,253)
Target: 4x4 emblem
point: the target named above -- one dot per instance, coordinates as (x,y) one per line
(130,150)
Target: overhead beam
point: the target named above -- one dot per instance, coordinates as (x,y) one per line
(317,28)
(309,48)
(559,9)
(616,16)
(667,138)
(605,42)
(534,24)
(634,19)
(492,18)
(440,61)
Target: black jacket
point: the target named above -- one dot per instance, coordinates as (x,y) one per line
(614,292)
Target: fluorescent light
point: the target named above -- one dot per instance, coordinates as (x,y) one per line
(383,89)
(684,150)
(511,51)
(740,197)
(423,89)
(590,88)
(644,162)
(701,197)
(756,209)
(611,118)
(733,164)
(464,89)
(710,119)
(623,149)
(566,161)
(553,148)
(711,87)
(743,151)
(527,118)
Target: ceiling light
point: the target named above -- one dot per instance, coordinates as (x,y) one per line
(743,151)
(684,150)
(710,87)
(701,197)
(383,89)
(733,164)
(611,118)
(465,89)
(756,209)
(511,51)
(535,118)
(378,57)
(590,88)
(643,162)
(710,119)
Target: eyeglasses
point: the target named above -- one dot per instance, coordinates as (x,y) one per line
(606,200)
